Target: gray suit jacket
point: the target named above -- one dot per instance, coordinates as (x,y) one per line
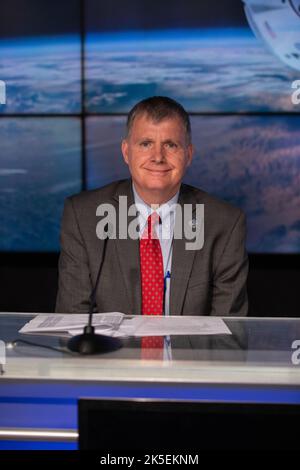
(209,281)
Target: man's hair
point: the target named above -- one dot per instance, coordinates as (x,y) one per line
(158,108)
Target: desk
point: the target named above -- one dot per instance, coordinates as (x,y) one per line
(40,388)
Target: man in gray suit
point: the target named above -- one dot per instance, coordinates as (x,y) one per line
(208,280)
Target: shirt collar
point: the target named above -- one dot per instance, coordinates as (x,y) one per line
(164,210)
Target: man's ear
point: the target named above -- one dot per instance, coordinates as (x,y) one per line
(190,154)
(124,148)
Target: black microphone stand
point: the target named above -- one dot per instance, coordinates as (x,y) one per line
(89,342)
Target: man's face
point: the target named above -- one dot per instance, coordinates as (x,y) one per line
(157,154)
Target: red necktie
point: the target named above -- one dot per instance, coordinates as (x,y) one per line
(152,272)
(152,276)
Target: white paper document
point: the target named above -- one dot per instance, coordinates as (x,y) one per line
(179,325)
(118,324)
(59,322)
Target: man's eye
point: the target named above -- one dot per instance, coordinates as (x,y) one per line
(171,145)
(145,144)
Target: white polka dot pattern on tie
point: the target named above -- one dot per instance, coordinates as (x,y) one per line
(152,275)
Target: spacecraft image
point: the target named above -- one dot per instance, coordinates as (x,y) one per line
(277,24)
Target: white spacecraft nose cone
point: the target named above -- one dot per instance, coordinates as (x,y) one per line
(278,25)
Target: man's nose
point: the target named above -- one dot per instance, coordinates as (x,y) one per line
(158,154)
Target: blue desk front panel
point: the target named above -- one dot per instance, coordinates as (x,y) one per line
(54,405)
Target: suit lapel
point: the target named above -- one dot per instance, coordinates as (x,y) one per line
(128,254)
(182,261)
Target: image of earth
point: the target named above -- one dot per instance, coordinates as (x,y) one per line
(42,75)
(40,165)
(212,70)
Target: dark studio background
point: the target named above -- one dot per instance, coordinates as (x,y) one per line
(73,68)
(29,284)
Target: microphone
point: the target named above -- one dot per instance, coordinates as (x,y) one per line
(89,342)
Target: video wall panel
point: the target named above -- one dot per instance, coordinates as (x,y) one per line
(40,165)
(40,56)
